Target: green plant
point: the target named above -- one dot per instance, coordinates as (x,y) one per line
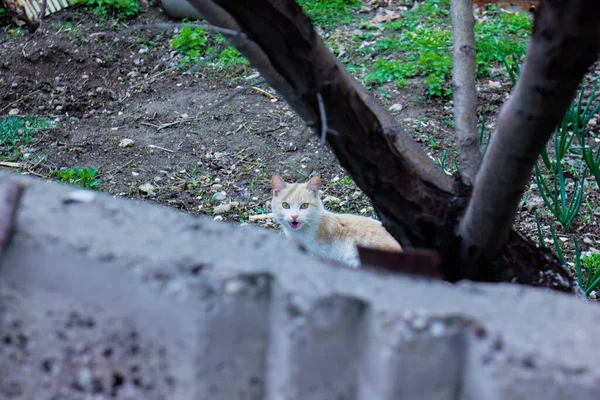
(122,8)
(580,120)
(559,251)
(592,265)
(196,45)
(565,210)
(329,13)
(84,177)
(423,46)
(16,132)
(4,17)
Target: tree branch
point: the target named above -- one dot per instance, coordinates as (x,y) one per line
(382,159)
(418,203)
(564,44)
(463,88)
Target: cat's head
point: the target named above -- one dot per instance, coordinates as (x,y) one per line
(296,205)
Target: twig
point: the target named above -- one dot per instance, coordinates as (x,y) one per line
(168,124)
(463,88)
(212,56)
(153,146)
(13,193)
(269,95)
(233,94)
(224,31)
(18,100)
(11,164)
(323,116)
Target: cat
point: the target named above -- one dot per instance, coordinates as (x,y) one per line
(299,210)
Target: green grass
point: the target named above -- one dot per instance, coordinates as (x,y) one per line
(420,45)
(4,17)
(85,177)
(196,44)
(329,13)
(108,8)
(16,133)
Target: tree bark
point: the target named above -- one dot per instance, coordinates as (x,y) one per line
(463,88)
(418,203)
(564,44)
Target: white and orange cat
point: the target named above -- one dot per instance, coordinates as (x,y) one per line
(297,207)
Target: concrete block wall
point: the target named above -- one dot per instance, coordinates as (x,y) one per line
(104,298)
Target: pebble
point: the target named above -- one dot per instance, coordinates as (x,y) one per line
(126,142)
(218,218)
(220,196)
(14,111)
(396,107)
(146,187)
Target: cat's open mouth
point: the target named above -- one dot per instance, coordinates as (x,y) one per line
(295,224)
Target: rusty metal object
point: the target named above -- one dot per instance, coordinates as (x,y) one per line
(31,12)
(423,262)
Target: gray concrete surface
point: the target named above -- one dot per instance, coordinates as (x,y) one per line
(110,298)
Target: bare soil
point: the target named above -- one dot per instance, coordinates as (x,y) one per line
(102,87)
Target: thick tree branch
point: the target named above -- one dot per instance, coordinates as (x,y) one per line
(463,88)
(418,203)
(281,42)
(564,44)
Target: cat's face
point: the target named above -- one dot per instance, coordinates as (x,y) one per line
(296,205)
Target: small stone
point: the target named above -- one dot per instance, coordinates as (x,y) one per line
(593,122)
(14,111)
(220,196)
(217,186)
(222,209)
(151,193)
(218,218)
(396,107)
(126,142)
(146,187)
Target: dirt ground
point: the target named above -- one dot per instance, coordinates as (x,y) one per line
(102,87)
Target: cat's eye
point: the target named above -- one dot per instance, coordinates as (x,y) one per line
(285,205)
(304,206)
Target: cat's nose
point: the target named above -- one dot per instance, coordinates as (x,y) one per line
(294,217)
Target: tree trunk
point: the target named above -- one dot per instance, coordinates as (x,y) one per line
(419,204)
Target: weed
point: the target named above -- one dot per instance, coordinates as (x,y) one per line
(592,265)
(195,44)
(329,13)
(16,132)
(424,43)
(4,17)
(120,8)
(84,177)
(565,210)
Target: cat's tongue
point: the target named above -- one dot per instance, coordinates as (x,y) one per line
(294,225)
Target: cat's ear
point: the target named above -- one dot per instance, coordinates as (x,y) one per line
(278,184)
(314,184)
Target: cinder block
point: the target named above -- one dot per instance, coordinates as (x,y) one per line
(314,349)
(102,296)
